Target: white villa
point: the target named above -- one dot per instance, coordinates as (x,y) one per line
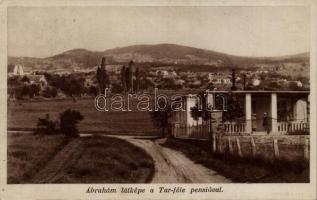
(287,111)
(37,79)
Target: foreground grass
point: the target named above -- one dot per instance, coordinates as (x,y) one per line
(242,169)
(28,153)
(109,160)
(97,160)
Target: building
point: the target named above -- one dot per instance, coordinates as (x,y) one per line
(287,111)
(31,78)
(37,80)
(218,79)
(18,70)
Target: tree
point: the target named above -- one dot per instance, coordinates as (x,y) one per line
(116,88)
(25,79)
(130,76)
(68,122)
(14,81)
(49,92)
(294,86)
(273,86)
(34,90)
(123,78)
(93,90)
(201,110)
(46,126)
(233,80)
(25,90)
(146,83)
(102,77)
(137,79)
(234,108)
(161,116)
(127,79)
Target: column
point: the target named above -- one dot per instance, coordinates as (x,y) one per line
(210,100)
(248,113)
(308,108)
(274,112)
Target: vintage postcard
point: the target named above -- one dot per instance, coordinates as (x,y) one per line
(158,100)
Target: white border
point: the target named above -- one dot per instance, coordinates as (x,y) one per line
(231,191)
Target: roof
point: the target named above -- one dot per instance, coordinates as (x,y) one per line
(35,78)
(263,91)
(251,91)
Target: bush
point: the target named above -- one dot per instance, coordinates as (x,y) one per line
(34,90)
(68,122)
(93,90)
(46,126)
(49,92)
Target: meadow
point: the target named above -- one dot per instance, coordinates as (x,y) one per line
(108,160)
(28,153)
(56,159)
(24,114)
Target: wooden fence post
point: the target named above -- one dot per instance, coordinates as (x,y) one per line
(306,149)
(239,147)
(253,147)
(219,145)
(230,145)
(214,147)
(275,146)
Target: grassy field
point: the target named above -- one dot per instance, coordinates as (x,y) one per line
(109,160)
(24,115)
(237,169)
(100,160)
(28,153)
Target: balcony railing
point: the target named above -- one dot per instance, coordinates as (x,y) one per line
(234,128)
(285,127)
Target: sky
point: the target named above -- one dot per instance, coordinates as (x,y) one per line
(245,31)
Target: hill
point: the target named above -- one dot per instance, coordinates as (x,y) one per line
(159,53)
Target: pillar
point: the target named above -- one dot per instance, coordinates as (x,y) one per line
(210,100)
(248,113)
(308,108)
(274,112)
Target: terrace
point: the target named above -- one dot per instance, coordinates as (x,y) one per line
(287,113)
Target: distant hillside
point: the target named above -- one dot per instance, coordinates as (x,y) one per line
(160,53)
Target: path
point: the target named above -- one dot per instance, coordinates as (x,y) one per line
(55,168)
(170,166)
(173,166)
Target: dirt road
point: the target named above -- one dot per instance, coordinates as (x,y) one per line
(174,167)
(65,158)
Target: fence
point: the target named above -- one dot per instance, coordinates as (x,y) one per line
(234,128)
(200,132)
(268,147)
(284,127)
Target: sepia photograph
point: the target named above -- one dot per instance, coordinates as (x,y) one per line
(158,95)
